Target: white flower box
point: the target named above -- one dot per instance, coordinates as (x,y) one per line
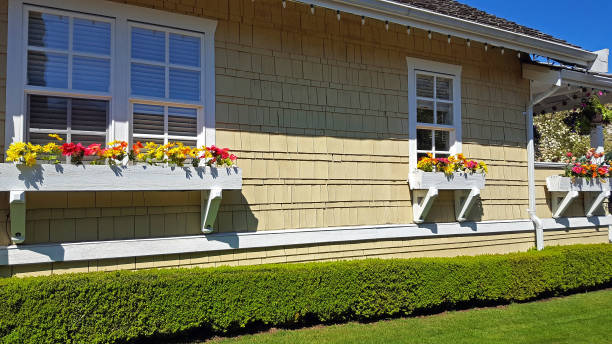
(563,191)
(564,184)
(140,177)
(19,179)
(421,180)
(425,186)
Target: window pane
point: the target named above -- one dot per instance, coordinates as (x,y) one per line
(43,138)
(182,122)
(444,88)
(88,114)
(425,86)
(184,50)
(148,44)
(148,80)
(48,30)
(445,113)
(424,139)
(148,119)
(425,113)
(91,74)
(48,112)
(91,36)
(184,84)
(442,140)
(47,69)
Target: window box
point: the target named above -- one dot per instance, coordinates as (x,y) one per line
(563,191)
(67,177)
(425,186)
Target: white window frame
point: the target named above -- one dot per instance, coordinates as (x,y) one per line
(120,112)
(420,66)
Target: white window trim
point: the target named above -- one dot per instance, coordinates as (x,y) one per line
(454,71)
(120,114)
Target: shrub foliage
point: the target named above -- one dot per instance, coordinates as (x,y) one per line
(119,306)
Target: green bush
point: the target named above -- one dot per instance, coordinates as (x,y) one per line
(119,306)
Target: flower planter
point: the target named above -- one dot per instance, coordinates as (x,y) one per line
(425,186)
(563,191)
(66,177)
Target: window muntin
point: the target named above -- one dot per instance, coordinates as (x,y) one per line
(165,64)
(75,119)
(162,124)
(68,51)
(435,129)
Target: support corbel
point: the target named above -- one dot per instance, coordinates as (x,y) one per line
(424,201)
(593,200)
(210,202)
(464,201)
(17,202)
(561,201)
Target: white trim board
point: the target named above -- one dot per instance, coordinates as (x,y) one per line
(58,252)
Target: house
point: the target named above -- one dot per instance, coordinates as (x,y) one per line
(326,103)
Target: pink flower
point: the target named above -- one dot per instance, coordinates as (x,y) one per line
(92,149)
(577,169)
(569,154)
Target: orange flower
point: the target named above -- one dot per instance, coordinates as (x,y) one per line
(136,147)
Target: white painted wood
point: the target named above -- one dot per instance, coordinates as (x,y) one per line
(210,206)
(593,201)
(423,200)
(564,184)
(457,181)
(67,177)
(561,201)
(464,201)
(17,206)
(56,252)
(63,252)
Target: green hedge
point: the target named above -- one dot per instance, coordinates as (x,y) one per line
(118,306)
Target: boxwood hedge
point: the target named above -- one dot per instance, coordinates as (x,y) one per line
(123,306)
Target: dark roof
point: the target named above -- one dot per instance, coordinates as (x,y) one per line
(458,10)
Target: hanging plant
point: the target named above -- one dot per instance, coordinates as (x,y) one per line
(591,113)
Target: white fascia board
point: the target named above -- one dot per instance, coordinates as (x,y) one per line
(596,81)
(404,14)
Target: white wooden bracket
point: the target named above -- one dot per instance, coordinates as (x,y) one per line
(424,200)
(593,200)
(560,201)
(17,202)
(464,201)
(210,202)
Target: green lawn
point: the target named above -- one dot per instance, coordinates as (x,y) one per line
(582,318)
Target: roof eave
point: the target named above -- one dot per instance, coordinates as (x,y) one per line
(404,14)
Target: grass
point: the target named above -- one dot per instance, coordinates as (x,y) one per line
(581,318)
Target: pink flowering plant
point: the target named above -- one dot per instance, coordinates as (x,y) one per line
(592,165)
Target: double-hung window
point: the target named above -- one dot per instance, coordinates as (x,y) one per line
(68,76)
(434,108)
(96,72)
(166,84)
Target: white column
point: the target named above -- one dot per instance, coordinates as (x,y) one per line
(597,138)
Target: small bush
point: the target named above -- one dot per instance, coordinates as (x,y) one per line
(119,306)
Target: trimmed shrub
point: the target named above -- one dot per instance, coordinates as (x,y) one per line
(118,306)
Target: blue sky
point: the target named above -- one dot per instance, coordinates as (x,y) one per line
(586,23)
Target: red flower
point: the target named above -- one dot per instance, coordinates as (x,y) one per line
(232,157)
(92,149)
(569,154)
(136,147)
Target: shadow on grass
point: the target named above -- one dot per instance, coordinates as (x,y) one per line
(204,333)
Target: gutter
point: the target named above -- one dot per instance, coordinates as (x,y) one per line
(407,15)
(537,222)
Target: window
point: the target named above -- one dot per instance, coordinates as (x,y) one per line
(96,72)
(434,108)
(166,71)
(69,55)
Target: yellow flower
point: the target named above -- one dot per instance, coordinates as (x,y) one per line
(50,147)
(34,148)
(57,137)
(30,159)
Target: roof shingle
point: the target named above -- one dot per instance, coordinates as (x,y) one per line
(458,10)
